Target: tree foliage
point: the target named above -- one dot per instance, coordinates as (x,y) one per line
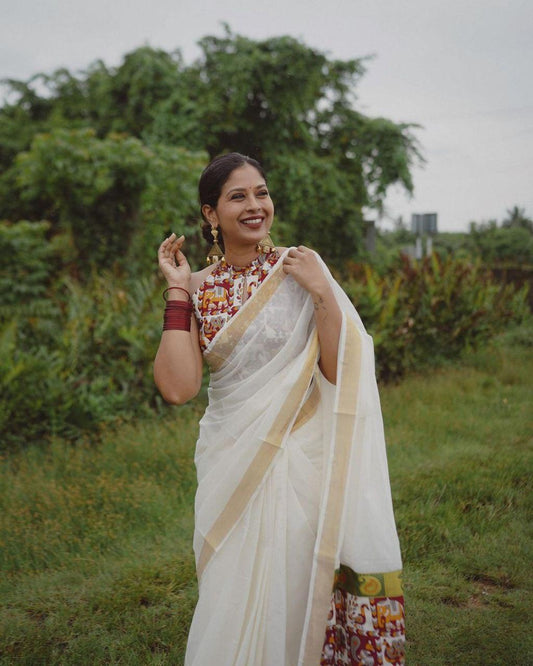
(278,100)
(89,187)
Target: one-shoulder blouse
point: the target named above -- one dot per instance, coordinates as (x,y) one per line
(225,290)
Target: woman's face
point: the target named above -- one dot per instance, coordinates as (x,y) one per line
(244,211)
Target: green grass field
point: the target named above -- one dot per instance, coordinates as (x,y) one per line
(95,542)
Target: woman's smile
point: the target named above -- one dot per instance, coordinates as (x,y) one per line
(252,221)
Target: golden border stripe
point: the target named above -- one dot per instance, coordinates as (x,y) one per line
(260,464)
(309,407)
(329,539)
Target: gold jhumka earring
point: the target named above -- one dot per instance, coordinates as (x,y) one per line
(265,246)
(215,253)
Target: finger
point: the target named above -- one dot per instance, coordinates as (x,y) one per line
(172,239)
(180,258)
(172,246)
(177,240)
(167,243)
(289,267)
(296,251)
(169,240)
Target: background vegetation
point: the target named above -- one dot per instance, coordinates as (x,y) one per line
(96,561)
(96,474)
(98,166)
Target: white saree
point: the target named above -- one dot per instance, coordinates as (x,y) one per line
(292,483)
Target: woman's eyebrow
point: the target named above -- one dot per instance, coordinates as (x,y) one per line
(241,189)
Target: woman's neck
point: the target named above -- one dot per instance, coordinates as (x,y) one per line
(240,257)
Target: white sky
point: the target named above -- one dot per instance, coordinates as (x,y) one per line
(462,69)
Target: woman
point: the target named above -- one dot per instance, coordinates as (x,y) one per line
(293,495)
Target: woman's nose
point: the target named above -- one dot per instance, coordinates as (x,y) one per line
(252,203)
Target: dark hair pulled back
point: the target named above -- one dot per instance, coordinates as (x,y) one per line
(213,177)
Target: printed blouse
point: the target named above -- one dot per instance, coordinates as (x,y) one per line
(225,290)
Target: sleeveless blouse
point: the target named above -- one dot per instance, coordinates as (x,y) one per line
(225,290)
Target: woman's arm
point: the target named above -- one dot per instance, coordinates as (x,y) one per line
(303,265)
(178,363)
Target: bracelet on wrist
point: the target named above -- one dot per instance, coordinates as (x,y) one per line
(180,288)
(177,316)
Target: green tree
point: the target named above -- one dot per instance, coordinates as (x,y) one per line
(91,187)
(516,217)
(278,100)
(292,107)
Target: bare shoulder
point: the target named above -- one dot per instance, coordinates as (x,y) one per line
(198,277)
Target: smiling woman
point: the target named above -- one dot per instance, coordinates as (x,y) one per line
(293,493)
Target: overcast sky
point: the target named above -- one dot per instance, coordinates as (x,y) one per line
(462,69)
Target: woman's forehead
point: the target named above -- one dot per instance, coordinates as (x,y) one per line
(243,177)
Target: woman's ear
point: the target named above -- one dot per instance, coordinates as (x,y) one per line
(210,215)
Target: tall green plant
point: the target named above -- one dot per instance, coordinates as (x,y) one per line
(423,312)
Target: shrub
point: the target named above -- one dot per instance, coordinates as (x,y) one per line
(427,311)
(95,367)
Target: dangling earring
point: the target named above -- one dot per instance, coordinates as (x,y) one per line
(215,253)
(265,246)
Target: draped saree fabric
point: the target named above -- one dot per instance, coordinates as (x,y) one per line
(292,483)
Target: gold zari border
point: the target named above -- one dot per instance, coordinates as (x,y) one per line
(309,407)
(261,462)
(329,539)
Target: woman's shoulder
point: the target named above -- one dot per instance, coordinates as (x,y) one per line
(199,277)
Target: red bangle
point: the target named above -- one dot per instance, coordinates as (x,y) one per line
(180,288)
(177,316)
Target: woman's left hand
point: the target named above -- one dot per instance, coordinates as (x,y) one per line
(302,264)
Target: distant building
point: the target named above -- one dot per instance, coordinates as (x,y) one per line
(424,223)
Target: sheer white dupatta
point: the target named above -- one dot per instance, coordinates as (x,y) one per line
(292,480)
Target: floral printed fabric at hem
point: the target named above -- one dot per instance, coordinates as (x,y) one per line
(365,630)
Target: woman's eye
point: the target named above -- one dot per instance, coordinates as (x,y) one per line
(237,196)
(263,193)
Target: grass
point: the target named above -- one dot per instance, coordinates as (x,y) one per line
(460,445)
(95,543)
(96,548)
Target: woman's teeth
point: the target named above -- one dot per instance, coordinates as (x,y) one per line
(255,220)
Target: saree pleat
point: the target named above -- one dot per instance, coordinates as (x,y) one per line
(292,482)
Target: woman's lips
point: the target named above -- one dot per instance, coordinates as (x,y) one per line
(252,222)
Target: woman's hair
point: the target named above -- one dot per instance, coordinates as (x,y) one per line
(213,177)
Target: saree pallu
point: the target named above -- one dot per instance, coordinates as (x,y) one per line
(293,492)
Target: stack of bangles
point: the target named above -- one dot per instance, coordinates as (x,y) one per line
(177,315)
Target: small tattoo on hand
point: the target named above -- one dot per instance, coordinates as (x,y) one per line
(319,302)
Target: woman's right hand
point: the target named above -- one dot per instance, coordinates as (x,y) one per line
(173,263)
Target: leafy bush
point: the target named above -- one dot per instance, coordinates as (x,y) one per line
(503,244)
(74,355)
(95,365)
(25,258)
(424,312)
